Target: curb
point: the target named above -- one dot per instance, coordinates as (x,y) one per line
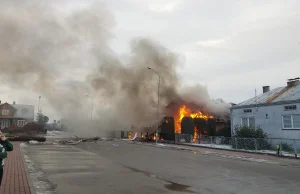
(231,150)
(29,180)
(243,151)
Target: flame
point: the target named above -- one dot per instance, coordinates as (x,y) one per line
(184,111)
(154,137)
(130,135)
(196,134)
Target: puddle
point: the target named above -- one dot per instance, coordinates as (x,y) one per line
(170,186)
(140,171)
(178,187)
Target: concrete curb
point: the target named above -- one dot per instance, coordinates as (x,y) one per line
(242,151)
(29,180)
(199,146)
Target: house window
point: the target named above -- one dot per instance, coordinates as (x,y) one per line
(291,121)
(21,123)
(24,110)
(5,112)
(247,110)
(249,122)
(5,123)
(290,107)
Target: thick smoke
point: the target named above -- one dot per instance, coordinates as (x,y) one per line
(131,87)
(65,54)
(42,47)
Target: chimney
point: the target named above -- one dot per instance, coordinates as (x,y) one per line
(293,82)
(266,89)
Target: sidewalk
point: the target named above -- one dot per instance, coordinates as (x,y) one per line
(247,156)
(14,179)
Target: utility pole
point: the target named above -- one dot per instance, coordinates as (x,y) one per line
(157,111)
(92,106)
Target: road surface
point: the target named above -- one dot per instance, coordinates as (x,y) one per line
(119,167)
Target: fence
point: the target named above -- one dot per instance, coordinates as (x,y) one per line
(287,147)
(121,134)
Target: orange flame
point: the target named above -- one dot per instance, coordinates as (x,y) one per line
(154,137)
(196,134)
(184,111)
(130,135)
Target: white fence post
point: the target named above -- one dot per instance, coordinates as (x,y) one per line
(235,140)
(295,148)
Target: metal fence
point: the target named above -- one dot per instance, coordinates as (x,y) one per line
(287,147)
(121,134)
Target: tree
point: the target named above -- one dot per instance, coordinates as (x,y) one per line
(41,118)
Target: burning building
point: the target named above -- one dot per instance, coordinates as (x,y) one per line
(192,119)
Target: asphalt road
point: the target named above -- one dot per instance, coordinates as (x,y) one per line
(121,167)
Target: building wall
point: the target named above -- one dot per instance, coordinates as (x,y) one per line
(6,107)
(24,111)
(269,118)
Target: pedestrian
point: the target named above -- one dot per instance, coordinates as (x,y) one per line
(5,146)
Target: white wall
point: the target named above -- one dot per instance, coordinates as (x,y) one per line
(271,125)
(24,111)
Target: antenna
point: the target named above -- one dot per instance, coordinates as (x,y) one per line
(256,101)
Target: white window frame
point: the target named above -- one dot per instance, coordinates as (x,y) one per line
(21,123)
(292,121)
(249,110)
(5,112)
(5,123)
(290,107)
(248,123)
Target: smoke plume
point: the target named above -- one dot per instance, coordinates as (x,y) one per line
(65,54)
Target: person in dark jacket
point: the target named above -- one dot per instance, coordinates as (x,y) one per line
(5,146)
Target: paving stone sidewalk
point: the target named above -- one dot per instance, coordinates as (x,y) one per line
(14,179)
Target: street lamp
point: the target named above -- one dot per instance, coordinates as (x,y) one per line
(39,104)
(157,101)
(92,105)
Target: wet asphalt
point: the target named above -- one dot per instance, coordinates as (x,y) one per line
(120,167)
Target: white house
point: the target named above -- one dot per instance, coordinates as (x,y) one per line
(276,111)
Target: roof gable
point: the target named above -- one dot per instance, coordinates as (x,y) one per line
(8,105)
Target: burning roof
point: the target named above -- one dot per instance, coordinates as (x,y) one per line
(180,109)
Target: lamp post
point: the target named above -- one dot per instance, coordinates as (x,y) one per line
(92,105)
(39,104)
(157,101)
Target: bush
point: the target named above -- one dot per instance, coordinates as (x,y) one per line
(249,132)
(287,147)
(246,138)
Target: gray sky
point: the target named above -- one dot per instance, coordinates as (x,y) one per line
(233,47)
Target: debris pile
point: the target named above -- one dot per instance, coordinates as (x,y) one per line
(78,140)
(26,138)
(28,129)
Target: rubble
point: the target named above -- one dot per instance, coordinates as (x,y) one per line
(28,129)
(33,142)
(78,140)
(25,138)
